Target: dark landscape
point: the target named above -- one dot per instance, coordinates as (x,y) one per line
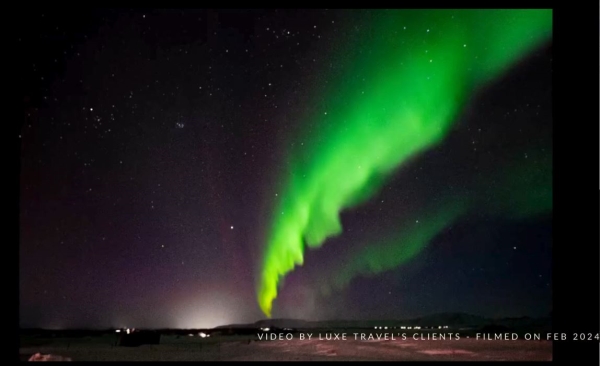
(241,341)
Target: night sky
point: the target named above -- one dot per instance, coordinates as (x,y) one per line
(158,146)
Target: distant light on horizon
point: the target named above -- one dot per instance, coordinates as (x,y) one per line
(207,310)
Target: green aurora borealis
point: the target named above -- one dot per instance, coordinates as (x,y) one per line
(520,191)
(404,83)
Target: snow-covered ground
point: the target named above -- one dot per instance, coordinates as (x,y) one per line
(240,348)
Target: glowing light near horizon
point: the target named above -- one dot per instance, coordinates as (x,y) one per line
(207,310)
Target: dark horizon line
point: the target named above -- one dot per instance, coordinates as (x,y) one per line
(100,328)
